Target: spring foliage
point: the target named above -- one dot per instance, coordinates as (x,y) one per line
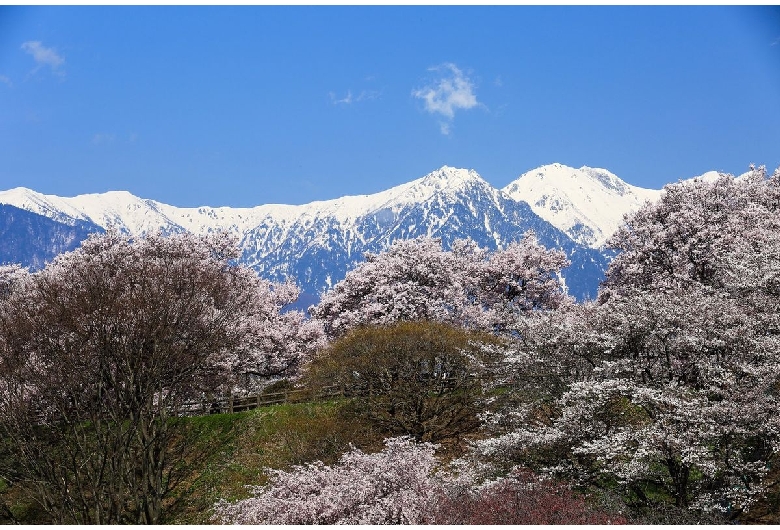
(99,350)
(683,345)
(423,379)
(665,388)
(466,286)
(394,486)
(403,485)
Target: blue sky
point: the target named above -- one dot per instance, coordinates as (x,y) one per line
(248,105)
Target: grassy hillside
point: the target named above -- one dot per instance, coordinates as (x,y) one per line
(237,448)
(232,450)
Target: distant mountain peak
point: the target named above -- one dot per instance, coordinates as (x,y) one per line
(588,204)
(451,178)
(569,177)
(709,176)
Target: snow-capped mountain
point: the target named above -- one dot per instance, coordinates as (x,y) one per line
(130,214)
(33,240)
(588,204)
(448,203)
(316,243)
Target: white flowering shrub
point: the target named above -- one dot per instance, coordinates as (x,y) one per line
(394,486)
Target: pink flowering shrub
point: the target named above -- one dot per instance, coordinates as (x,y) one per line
(393,486)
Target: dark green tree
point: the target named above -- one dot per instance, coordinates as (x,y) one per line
(424,379)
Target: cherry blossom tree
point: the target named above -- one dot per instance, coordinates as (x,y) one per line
(12,278)
(514,282)
(283,340)
(718,234)
(394,486)
(682,396)
(99,350)
(412,280)
(466,286)
(403,484)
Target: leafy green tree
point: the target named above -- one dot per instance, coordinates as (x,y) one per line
(423,379)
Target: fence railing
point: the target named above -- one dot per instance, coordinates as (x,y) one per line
(230,404)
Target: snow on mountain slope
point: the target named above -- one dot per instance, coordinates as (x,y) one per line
(316,243)
(328,238)
(118,209)
(344,210)
(709,176)
(122,210)
(588,204)
(712,176)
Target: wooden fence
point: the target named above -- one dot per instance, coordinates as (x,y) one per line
(231,404)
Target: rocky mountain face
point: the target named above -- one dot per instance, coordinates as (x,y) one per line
(318,249)
(317,243)
(33,240)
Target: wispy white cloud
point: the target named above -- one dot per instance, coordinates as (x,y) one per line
(775,42)
(452,90)
(349,98)
(44,56)
(346,100)
(369,95)
(6,80)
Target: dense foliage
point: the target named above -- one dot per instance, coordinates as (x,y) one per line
(466,286)
(401,485)
(393,486)
(99,350)
(423,379)
(684,343)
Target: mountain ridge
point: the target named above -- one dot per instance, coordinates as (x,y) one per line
(318,242)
